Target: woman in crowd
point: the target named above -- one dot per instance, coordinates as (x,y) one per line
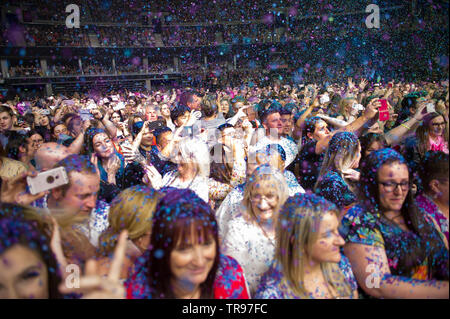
(165,113)
(308,262)
(183,260)
(122,132)
(388,235)
(192,158)
(434,198)
(221,171)
(28,268)
(249,236)
(110,163)
(371,142)
(432,135)
(318,135)
(337,177)
(346,110)
(132,210)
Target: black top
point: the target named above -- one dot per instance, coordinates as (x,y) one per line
(309,164)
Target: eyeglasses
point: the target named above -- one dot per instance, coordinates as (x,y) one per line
(258,198)
(439,124)
(390,186)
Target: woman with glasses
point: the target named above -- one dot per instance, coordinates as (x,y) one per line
(432,135)
(394,249)
(249,236)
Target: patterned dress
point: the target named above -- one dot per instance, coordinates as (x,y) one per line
(272,285)
(361,227)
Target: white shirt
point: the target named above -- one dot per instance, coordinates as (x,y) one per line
(289,147)
(199,185)
(231,204)
(247,243)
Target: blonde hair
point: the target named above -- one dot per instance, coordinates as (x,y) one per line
(132,210)
(194,150)
(296,232)
(265,177)
(76,246)
(343,104)
(342,152)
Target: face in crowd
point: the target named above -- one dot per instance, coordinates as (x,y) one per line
(6,122)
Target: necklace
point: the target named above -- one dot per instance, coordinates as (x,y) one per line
(265,233)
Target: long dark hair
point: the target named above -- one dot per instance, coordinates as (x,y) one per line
(221,168)
(17,227)
(178,213)
(368,139)
(414,219)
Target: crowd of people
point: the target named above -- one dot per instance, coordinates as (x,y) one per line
(297,23)
(308,160)
(252,191)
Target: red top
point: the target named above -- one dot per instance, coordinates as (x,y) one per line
(229,284)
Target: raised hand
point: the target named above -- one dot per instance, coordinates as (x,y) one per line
(152,176)
(372,108)
(363,84)
(421,111)
(95,286)
(351,174)
(14,190)
(351,84)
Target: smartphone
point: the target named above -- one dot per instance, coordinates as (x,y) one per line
(85,115)
(187,131)
(47,180)
(383,112)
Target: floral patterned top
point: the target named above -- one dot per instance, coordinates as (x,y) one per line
(273,286)
(231,205)
(333,188)
(361,227)
(433,210)
(253,250)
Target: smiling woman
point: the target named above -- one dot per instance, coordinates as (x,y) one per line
(388,233)
(307,262)
(250,236)
(183,260)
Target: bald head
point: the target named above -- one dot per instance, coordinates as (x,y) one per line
(49,154)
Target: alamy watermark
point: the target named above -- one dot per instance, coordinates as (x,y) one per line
(373,20)
(374,279)
(73,279)
(73,19)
